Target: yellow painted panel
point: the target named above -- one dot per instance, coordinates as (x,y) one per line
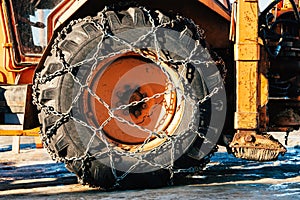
(31,132)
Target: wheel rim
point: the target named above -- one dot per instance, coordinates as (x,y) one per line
(132,79)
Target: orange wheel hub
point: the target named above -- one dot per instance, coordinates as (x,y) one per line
(138,100)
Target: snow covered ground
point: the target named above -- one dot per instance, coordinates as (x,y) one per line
(33,175)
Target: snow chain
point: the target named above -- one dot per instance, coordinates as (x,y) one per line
(101,22)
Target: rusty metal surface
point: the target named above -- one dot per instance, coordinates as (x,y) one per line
(246,57)
(218,8)
(284,113)
(251,146)
(286,118)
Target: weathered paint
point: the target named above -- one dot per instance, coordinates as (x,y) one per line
(247,57)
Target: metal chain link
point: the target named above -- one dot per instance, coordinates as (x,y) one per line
(100,22)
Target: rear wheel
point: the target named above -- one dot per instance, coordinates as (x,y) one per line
(126,97)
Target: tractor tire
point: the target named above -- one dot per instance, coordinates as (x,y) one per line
(119,100)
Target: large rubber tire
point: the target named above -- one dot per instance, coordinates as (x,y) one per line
(66,129)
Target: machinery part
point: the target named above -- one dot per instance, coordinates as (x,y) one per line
(267,27)
(283,82)
(17,113)
(118,108)
(251,146)
(284,114)
(280,33)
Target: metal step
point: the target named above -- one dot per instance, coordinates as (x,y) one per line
(16,107)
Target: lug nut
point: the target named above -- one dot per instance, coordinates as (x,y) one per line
(126,112)
(137,113)
(118,104)
(144,105)
(119,94)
